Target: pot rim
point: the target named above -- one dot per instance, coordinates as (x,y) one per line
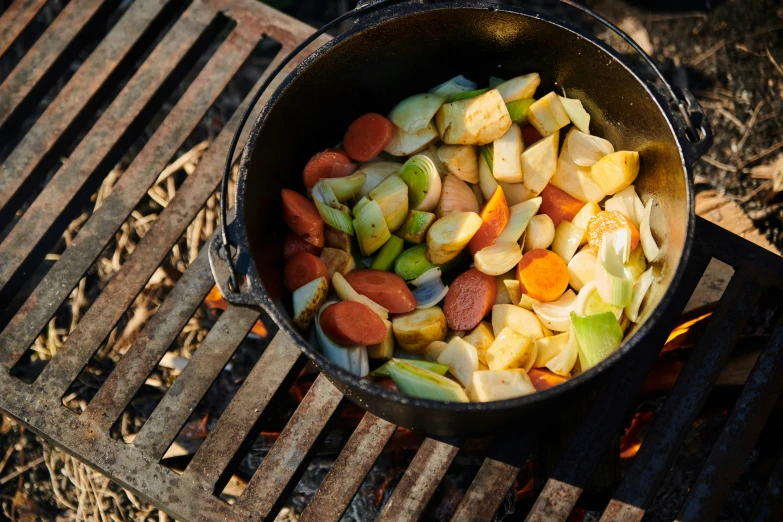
(394,12)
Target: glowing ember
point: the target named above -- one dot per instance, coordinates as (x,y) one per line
(679,334)
(634,435)
(215,301)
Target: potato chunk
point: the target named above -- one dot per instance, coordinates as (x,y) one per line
(496,385)
(473,121)
(511,349)
(417,329)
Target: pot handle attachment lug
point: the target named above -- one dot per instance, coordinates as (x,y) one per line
(226,261)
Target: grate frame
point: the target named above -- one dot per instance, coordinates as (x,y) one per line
(193,495)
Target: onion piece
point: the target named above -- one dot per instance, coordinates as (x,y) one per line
(612,279)
(586,150)
(455,196)
(407,143)
(650,247)
(460,160)
(519,217)
(576,113)
(562,363)
(424,186)
(540,232)
(498,258)
(640,289)
(429,288)
(568,237)
(454,86)
(626,202)
(589,302)
(557,314)
(350,358)
(415,112)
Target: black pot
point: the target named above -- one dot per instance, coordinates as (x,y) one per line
(406,49)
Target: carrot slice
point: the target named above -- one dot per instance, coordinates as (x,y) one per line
(385,288)
(469,300)
(367,136)
(544,379)
(329,163)
(303,268)
(530,135)
(542,274)
(294,244)
(558,205)
(350,323)
(608,221)
(301,215)
(495,217)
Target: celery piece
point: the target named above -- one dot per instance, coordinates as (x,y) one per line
(423,383)
(487,156)
(598,336)
(469,94)
(414,230)
(517,109)
(412,263)
(370,227)
(387,254)
(440,369)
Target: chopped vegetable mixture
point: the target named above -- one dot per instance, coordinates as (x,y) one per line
(473,245)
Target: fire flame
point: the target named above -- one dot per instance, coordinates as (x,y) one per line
(634,435)
(215,301)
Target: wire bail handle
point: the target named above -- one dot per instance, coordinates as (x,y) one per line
(694,135)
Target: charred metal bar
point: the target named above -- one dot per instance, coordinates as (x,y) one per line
(349,470)
(275,475)
(77,93)
(769,507)
(160,430)
(410,497)
(739,435)
(15,19)
(244,410)
(685,400)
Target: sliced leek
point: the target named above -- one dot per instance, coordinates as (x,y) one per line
(469,94)
(612,279)
(419,382)
(589,302)
(335,218)
(440,369)
(375,172)
(519,218)
(568,237)
(598,336)
(650,247)
(346,187)
(414,230)
(392,197)
(640,288)
(420,174)
(517,109)
(498,258)
(415,112)
(388,254)
(370,227)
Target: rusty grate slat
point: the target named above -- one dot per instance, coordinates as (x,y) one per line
(287,455)
(417,485)
(225,439)
(99,141)
(81,88)
(157,434)
(15,19)
(349,470)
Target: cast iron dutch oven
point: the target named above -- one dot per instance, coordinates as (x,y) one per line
(398,49)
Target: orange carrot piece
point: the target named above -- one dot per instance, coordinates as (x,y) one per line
(329,163)
(495,217)
(544,379)
(367,136)
(608,221)
(300,214)
(303,268)
(558,205)
(469,300)
(542,274)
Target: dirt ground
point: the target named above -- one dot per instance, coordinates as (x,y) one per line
(729,53)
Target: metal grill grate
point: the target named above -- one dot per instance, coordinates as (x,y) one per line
(192,495)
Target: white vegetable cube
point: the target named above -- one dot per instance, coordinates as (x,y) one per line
(462,360)
(568,237)
(574,180)
(510,349)
(539,162)
(576,113)
(407,143)
(581,268)
(521,320)
(308,300)
(500,384)
(548,115)
(473,121)
(507,162)
(519,88)
(482,338)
